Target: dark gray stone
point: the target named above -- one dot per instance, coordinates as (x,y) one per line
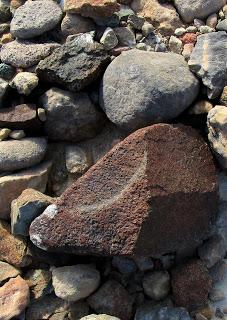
(69,116)
(209,61)
(140,88)
(149,312)
(34,18)
(76,64)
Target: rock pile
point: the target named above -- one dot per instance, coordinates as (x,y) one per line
(113,139)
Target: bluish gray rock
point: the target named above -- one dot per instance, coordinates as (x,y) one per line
(209,61)
(34,18)
(149,312)
(140,88)
(21,154)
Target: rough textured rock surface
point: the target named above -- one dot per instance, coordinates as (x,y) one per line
(39,282)
(189,10)
(76,64)
(194,275)
(13,249)
(24,54)
(34,18)
(74,23)
(20,117)
(149,312)
(162,16)
(14,298)
(92,8)
(99,317)
(69,116)
(21,154)
(124,202)
(157,87)
(209,61)
(7,271)
(12,185)
(112,299)
(73,283)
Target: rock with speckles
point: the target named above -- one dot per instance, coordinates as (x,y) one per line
(113,208)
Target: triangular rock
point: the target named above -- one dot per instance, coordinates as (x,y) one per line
(153,193)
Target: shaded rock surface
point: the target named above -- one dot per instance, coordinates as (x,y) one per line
(209,61)
(70,116)
(133,175)
(75,65)
(157,87)
(14,298)
(34,18)
(39,282)
(74,23)
(189,10)
(15,155)
(24,54)
(161,313)
(7,271)
(12,185)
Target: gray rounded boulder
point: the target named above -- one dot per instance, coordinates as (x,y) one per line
(34,18)
(140,88)
(20,154)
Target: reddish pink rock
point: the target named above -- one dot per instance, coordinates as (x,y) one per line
(191,284)
(153,193)
(189,38)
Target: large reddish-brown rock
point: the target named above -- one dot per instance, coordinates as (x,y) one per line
(191,284)
(154,192)
(92,8)
(20,117)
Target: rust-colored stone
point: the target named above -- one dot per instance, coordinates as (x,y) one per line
(191,284)
(153,193)
(189,37)
(92,8)
(21,117)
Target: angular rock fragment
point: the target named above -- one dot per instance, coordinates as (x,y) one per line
(27,152)
(39,282)
(189,10)
(75,65)
(163,16)
(70,116)
(20,117)
(14,298)
(92,8)
(25,82)
(209,61)
(140,88)
(191,284)
(34,18)
(13,249)
(74,23)
(124,202)
(24,54)
(7,271)
(12,185)
(29,205)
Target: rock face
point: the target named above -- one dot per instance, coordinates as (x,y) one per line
(191,275)
(217,127)
(25,25)
(124,202)
(92,8)
(73,283)
(209,61)
(12,185)
(112,299)
(86,63)
(162,16)
(25,82)
(74,23)
(189,10)
(15,155)
(20,117)
(14,298)
(7,271)
(150,312)
(69,116)
(140,88)
(24,54)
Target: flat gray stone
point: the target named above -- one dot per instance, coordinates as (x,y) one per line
(189,10)
(24,54)
(34,18)
(209,61)
(140,88)
(21,154)
(149,312)
(222,25)
(69,116)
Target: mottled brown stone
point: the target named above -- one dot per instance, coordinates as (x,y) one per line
(21,117)
(153,193)
(191,284)
(92,8)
